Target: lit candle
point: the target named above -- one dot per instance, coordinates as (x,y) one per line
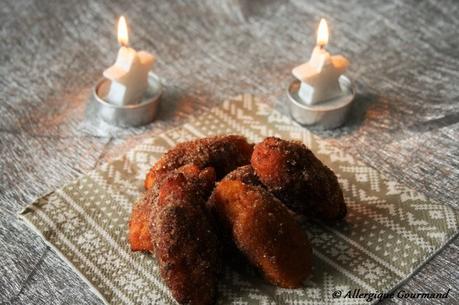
(129,73)
(319,76)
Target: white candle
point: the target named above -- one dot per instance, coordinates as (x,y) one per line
(129,74)
(319,76)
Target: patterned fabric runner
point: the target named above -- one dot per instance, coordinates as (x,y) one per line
(389,232)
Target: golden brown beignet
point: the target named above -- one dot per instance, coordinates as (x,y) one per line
(294,175)
(264,231)
(184,241)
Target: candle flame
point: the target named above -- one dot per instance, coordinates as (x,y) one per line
(322,33)
(123,38)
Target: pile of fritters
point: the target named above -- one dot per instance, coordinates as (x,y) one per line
(218,195)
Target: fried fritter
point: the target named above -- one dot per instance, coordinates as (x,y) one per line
(184,241)
(223,153)
(264,231)
(139,224)
(232,255)
(294,175)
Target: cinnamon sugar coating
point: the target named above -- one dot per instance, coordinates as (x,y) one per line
(294,175)
(184,241)
(223,153)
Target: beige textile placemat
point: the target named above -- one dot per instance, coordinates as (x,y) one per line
(390,230)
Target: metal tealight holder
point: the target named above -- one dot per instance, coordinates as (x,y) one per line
(138,114)
(328,114)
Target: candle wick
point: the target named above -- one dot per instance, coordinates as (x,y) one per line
(322,46)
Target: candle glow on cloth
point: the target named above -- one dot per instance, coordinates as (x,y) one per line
(129,74)
(319,76)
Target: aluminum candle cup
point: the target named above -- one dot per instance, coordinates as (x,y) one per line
(328,114)
(126,115)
